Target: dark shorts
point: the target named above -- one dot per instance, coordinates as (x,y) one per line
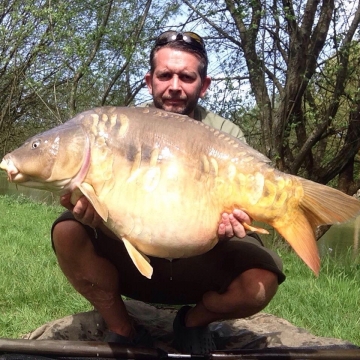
(184,281)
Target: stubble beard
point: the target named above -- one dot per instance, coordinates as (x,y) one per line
(186,109)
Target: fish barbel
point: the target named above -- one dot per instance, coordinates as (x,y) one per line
(160,181)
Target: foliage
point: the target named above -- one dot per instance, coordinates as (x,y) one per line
(278,54)
(59,58)
(340,135)
(287,72)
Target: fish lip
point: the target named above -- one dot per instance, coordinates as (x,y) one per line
(17,178)
(3,164)
(13,173)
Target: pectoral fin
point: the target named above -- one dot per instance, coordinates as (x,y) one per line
(140,260)
(89,192)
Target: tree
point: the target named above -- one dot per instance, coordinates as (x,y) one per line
(19,51)
(59,58)
(281,49)
(286,71)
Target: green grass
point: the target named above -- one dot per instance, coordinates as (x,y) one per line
(327,305)
(33,290)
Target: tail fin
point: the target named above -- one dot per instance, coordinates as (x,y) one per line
(321,205)
(300,236)
(324,205)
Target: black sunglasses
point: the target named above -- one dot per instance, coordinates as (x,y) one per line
(188,37)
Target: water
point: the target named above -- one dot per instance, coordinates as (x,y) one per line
(336,241)
(339,239)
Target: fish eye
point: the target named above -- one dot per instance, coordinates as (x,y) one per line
(35,144)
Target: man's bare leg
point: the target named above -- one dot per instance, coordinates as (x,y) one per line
(92,276)
(248,294)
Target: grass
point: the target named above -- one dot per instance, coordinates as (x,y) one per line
(33,290)
(325,306)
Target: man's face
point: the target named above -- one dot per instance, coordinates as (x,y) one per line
(176,84)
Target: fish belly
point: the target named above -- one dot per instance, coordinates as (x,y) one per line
(169,211)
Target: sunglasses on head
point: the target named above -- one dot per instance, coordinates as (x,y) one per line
(188,37)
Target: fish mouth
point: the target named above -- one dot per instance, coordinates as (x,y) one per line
(14,175)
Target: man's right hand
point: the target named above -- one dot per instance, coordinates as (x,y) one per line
(83,211)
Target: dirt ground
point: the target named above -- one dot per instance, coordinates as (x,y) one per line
(256,332)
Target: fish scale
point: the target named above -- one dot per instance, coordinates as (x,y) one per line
(161,181)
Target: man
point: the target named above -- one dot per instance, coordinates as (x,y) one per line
(236,279)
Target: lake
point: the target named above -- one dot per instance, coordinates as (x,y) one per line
(336,241)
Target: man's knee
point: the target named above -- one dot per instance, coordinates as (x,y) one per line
(246,295)
(69,235)
(260,286)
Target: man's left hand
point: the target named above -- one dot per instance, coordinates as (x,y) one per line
(231,224)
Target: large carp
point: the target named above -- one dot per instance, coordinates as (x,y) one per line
(160,181)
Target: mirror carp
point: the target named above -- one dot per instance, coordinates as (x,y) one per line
(160,181)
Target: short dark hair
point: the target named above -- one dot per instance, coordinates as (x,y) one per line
(181,45)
